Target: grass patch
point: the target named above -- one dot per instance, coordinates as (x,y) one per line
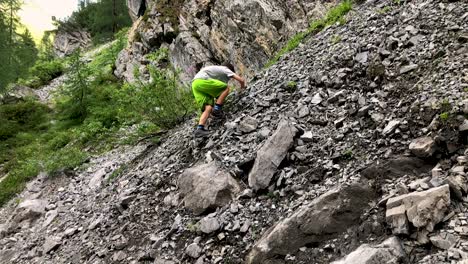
(334,15)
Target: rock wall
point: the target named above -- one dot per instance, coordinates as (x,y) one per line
(202,32)
(66,42)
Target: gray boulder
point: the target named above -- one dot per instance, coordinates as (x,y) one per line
(29,210)
(423,147)
(388,252)
(271,154)
(422,210)
(206,187)
(67,41)
(324,218)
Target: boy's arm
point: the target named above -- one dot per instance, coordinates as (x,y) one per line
(240,80)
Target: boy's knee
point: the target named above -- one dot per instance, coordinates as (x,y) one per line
(208,108)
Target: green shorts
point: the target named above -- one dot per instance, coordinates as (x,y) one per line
(205,91)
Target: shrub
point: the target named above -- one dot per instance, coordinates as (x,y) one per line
(43,72)
(20,117)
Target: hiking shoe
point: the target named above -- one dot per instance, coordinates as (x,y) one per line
(218,113)
(201,133)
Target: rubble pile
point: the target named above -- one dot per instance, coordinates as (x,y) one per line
(362,160)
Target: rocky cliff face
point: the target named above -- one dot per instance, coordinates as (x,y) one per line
(201,32)
(359,166)
(66,42)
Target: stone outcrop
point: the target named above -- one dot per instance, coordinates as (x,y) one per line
(271,154)
(206,187)
(199,33)
(324,218)
(67,41)
(423,210)
(387,252)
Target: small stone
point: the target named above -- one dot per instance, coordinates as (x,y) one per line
(209,225)
(317,99)
(422,147)
(391,126)
(408,68)
(193,250)
(51,243)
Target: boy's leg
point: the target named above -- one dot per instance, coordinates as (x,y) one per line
(204,116)
(222,96)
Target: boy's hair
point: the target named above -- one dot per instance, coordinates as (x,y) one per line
(229,66)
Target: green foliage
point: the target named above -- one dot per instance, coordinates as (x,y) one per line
(101,19)
(162,100)
(291,86)
(117,173)
(17,49)
(334,15)
(444,117)
(21,117)
(43,72)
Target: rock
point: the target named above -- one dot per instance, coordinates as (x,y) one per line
(193,250)
(50,216)
(443,240)
(307,136)
(66,41)
(391,126)
(303,111)
(317,99)
(248,124)
(464,126)
(397,219)
(29,210)
(362,57)
(206,187)
(389,251)
(209,225)
(408,68)
(51,243)
(458,185)
(396,168)
(423,209)
(163,261)
(423,147)
(324,218)
(271,154)
(17,94)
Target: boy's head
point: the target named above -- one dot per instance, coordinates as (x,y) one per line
(229,66)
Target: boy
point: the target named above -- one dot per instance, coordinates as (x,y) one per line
(210,83)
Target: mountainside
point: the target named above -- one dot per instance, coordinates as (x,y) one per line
(198,33)
(352,148)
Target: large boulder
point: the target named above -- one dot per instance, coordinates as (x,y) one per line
(388,252)
(67,41)
(324,218)
(271,154)
(423,210)
(17,94)
(207,187)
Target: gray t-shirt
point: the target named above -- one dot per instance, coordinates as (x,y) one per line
(221,73)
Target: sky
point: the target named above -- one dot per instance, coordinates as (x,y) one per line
(36,15)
